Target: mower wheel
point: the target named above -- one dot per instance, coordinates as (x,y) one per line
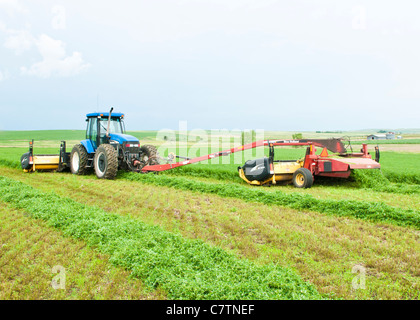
(150,156)
(302,178)
(78,160)
(106,162)
(24,161)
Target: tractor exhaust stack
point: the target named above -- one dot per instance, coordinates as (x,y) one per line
(109,122)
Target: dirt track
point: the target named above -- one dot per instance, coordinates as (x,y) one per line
(414,148)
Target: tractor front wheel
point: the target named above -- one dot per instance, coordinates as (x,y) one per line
(79,160)
(302,178)
(106,162)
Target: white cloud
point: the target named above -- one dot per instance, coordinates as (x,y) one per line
(55,61)
(12,6)
(19,41)
(59,20)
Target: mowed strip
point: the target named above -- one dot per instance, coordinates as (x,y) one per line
(184,268)
(371,211)
(324,249)
(37,262)
(327,188)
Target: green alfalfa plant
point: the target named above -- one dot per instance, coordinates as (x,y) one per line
(402,177)
(10,163)
(184,268)
(372,211)
(376,180)
(205,172)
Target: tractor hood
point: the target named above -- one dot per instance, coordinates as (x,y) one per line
(121,138)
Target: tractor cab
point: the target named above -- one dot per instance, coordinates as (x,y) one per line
(105,129)
(97,126)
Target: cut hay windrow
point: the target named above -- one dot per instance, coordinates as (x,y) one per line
(10,163)
(377,181)
(371,211)
(372,179)
(206,171)
(402,177)
(184,268)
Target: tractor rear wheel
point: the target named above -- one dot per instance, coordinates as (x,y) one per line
(78,160)
(106,162)
(302,178)
(150,156)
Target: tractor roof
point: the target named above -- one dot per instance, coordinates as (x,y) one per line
(105,114)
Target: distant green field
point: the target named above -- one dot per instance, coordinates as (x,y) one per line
(41,135)
(59,135)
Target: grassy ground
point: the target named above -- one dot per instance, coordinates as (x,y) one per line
(29,250)
(324,249)
(184,268)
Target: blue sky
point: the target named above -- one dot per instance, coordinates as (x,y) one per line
(234,64)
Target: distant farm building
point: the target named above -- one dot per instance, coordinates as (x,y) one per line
(387,136)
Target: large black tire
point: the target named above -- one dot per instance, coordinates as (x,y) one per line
(79,160)
(150,156)
(24,161)
(106,162)
(302,178)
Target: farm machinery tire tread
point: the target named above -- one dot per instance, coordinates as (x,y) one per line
(108,167)
(82,158)
(152,154)
(303,178)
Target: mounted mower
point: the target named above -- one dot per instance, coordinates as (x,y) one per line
(268,171)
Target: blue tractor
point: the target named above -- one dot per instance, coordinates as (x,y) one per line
(106,149)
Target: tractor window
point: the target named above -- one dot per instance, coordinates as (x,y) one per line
(114,127)
(92,131)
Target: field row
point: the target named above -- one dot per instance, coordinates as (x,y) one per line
(372,179)
(323,249)
(32,255)
(367,223)
(372,211)
(185,269)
